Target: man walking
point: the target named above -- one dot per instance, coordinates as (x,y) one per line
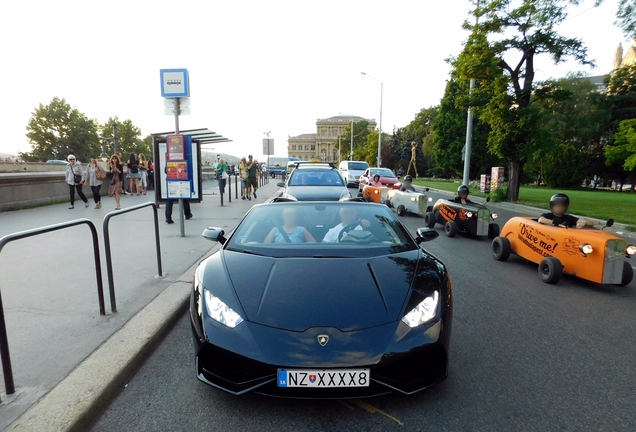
(252,168)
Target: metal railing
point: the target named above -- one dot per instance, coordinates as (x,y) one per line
(4,341)
(109,262)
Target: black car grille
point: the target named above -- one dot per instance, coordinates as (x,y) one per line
(412,371)
(235,370)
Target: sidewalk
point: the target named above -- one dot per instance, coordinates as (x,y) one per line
(49,289)
(617,229)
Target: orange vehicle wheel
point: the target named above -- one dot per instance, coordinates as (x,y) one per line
(550,270)
(500,248)
(628,274)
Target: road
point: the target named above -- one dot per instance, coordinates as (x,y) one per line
(524,356)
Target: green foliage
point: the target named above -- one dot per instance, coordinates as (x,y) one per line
(500,194)
(624,148)
(360,132)
(625,17)
(525,30)
(564,167)
(57,130)
(128,138)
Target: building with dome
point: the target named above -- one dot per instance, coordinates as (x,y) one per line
(322,145)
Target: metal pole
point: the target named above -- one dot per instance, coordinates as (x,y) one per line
(115,137)
(236,185)
(351,155)
(7,371)
(177,111)
(157,242)
(469,123)
(380,130)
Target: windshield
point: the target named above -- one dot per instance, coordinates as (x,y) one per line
(358,166)
(305,177)
(384,172)
(343,229)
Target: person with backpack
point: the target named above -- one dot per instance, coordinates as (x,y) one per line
(134,176)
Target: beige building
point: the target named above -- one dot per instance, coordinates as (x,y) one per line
(628,58)
(322,145)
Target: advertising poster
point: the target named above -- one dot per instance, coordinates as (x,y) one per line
(180,178)
(176,148)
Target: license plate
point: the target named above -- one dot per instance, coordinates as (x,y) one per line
(330,378)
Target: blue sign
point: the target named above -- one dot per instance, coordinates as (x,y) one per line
(175,83)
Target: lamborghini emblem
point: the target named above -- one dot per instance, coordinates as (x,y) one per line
(323,339)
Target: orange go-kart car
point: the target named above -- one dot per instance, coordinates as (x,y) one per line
(375,194)
(588,253)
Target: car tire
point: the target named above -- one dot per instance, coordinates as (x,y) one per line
(550,270)
(401,210)
(628,274)
(450,228)
(493,230)
(501,248)
(429,219)
(388,202)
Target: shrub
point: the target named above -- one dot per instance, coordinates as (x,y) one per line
(500,194)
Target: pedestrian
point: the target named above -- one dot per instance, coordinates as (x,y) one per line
(243,175)
(75,178)
(151,175)
(222,174)
(94,176)
(115,189)
(123,174)
(133,174)
(186,210)
(252,169)
(143,170)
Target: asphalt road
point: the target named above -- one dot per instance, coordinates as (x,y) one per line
(524,356)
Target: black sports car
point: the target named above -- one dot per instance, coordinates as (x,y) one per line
(321,300)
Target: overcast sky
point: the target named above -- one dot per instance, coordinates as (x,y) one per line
(255,66)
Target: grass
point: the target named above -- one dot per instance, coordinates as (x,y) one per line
(598,204)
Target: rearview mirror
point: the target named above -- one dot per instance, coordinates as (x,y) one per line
(426,234)
(609,223)
(214,234)
(280,184)
(488,199)
(426,189)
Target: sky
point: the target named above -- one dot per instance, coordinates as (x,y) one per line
(255,66)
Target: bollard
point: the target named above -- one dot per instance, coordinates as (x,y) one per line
(236,184)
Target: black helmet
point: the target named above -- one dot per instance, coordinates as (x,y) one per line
(463,188)
(376,175)
(408,177)
(560,198)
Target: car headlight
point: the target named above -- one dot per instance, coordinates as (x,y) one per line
(430,199)
(221,312)
(423,312)
(413,199)
(586,248)
(630,250)
(469,214)
(494,215)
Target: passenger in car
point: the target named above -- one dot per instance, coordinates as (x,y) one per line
(348,215)
(559,204)
(289,232)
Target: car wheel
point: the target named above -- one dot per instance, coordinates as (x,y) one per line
(387,202)
(628,274)
(429,219)
(451,228)
(550,270)
(501,249)
(493,230)
(401,210)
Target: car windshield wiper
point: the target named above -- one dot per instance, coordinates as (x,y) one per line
(245,251)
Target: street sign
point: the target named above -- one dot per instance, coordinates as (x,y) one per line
(268,146)
(182,111)
(175,83)
(183,102)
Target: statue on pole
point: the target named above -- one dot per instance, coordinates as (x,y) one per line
(413,159)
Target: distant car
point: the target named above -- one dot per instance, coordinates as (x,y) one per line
(366,314)
(387,178)
(472,218)
(352,170)
(57,162)
(315,182)
(589,253)
(408,201)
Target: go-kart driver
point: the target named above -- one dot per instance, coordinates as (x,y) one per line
(376,181)
(462,195)
(559,204)
(407,185)
(347,216)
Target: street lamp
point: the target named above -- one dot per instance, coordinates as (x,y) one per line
(115,137)
(104,155)
(380,128)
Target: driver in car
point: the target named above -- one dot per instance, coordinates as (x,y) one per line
(407,186)
(558,216)
(348,215)
(376,181)
(462,195)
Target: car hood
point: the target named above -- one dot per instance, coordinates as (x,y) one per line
(347,293)
(317,193)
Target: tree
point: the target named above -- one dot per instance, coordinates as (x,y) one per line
(360,132)
(625,17)
(128,138)
(525,30)
(57,130)
(624,148)
(564,167)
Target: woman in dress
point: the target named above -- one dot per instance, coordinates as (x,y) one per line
(75,178)
(91,176)
(133,174)
(116,168)
(243,175)
(290,232)
(143,170)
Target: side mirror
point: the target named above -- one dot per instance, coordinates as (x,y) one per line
(214,234)
(488,199)
(426,234)
(609,223)
(426,189)
(280,184)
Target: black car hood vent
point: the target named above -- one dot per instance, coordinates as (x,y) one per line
(298,293)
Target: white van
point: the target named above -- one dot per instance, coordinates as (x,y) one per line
(352,170)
